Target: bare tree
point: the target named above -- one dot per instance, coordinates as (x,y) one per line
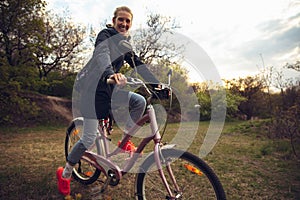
(59,45)
(295,66)
(149,44)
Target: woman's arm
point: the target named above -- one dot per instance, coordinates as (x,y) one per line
(101,55)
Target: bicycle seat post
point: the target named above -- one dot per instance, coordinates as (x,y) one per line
(102,138)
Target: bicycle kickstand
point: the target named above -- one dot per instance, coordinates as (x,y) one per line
(106,183)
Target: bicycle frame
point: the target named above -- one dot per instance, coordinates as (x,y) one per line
(102,161)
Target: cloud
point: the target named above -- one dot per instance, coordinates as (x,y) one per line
(234,33)
(276,42)
(278,37)
(273,46)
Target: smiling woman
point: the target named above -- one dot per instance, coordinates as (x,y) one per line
(122,20)
(97,99)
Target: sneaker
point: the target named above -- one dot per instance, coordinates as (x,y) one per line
(129,146)
(63,184)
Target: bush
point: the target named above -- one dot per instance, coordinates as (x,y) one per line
(15,109)
(56,85)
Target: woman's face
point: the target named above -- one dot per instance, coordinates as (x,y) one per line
(122,22)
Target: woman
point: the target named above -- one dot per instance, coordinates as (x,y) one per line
(99,97)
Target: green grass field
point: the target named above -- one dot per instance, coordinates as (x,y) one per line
(249,165)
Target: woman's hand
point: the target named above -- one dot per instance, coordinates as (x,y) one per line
(120,79)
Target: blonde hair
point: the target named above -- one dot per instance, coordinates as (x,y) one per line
(122,8)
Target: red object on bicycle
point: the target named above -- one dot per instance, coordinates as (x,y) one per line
(129,146)
(63,184)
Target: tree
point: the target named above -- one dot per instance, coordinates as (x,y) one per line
(286,116)
(295,66)
(251,89)
(150,43)
(34,38)
(29,39)
(205,93)
(21,21)
(58,45)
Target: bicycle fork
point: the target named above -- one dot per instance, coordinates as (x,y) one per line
(160,160)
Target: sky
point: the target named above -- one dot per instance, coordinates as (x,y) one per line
(240,36)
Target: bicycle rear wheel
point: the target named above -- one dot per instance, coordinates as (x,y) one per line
(83,171)
(195,179)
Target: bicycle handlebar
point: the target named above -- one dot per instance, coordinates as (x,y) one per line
(136,81)
(130,80)
(162,92)
(163,88)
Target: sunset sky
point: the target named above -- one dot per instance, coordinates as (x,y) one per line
(238,35)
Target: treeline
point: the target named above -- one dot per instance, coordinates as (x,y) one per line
(267,98)
(253,97)
(273,98)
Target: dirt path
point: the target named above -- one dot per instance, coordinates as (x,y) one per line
(57,106)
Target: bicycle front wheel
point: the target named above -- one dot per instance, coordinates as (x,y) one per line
(194,178)
(83,171)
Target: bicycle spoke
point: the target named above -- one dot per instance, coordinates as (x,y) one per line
(195,180)
(83,171)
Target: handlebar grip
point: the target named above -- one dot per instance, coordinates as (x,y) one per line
(110,81)
(129,79)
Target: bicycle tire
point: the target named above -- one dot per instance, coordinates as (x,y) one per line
(83,171)
(200,184)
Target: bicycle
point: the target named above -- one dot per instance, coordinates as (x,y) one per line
(166,173)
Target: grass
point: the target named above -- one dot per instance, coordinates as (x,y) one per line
(249,165)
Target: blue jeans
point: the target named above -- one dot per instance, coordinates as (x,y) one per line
(136,105)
